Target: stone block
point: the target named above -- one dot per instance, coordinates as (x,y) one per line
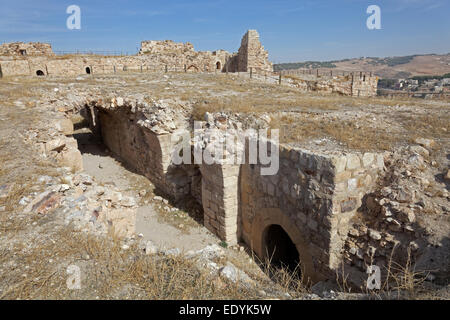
(353,162)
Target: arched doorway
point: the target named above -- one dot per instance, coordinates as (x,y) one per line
(40,73)
(280,249)
(262,230)
(218,65)
(88,70)
(192,68)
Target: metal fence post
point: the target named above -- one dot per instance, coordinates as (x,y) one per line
(279,80)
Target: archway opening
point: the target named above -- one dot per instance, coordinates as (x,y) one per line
(280,250)
(88,70)
(218,66)
(40,73)
(192,68)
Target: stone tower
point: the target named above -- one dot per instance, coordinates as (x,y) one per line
(251,54)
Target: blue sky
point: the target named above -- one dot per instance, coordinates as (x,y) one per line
(292,30)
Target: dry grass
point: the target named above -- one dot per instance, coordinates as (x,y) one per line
(346,132)
(401,281)
(107,272)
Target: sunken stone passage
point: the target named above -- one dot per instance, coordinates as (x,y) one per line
(309,201)
(312,198)
(144,150)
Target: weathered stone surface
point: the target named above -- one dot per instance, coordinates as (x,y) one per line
(427,143)
(348,205)
(65,126)
(353,162)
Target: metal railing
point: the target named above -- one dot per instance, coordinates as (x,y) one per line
(94,52)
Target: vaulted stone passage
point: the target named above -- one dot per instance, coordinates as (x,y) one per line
(149,154)
(298,216)
(40,73)
(88,70)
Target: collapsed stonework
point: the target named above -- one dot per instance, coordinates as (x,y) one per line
(356,84)
(38,59)
(18,59)
(251,55)
(333,209)
(20,49)
(311,198)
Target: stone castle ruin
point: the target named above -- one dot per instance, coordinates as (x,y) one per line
(18,59)
(25,59)
(303,210)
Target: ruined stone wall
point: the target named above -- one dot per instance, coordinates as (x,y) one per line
(15,67)
(153,56)
(144,145)
(165,47)
(349,85)
(26,49)
(251,54)
(355,177)
(71,66)
(312,198)
(364,86)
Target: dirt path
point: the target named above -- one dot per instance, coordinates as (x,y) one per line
(99,163)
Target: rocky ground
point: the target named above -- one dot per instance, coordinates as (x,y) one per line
(55,214)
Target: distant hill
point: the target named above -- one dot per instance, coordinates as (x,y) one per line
(389,67)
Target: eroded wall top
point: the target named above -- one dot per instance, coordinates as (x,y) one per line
(252,54)
(165,47)
(26,49)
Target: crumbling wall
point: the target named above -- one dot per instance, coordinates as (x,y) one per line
(26,49)
(251,54)
(312,198)
(364,86)
(165,47)
(15,67)
(153,55)
(349,85)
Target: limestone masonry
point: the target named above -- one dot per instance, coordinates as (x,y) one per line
(337,209)
(21,59)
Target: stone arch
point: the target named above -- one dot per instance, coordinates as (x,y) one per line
(280,248)
(193,68)
(88,70)
(218,65)
(268,217)
(40,73)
